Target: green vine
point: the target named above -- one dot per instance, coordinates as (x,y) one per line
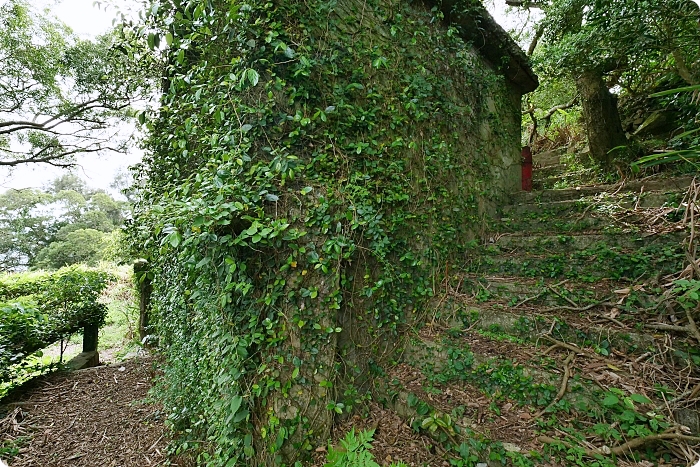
(313,170)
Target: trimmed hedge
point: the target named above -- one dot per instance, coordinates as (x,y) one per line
(39,308)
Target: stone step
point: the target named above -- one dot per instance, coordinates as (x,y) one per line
(635,222)
(572,260)
(504,292)
(665,185)
(542,173)
(584,326)
(542,243)
(604,203)
(464,388)
(548,158)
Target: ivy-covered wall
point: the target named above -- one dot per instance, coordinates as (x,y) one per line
(314,170)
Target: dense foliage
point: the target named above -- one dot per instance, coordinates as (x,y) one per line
(632,49)
(63,224)
(37,309)
(311,176)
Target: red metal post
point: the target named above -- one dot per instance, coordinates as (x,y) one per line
(527,168)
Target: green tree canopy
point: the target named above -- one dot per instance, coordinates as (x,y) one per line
(81,246)
(637,47)
(57,226)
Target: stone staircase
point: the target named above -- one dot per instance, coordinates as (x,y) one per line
(562,341)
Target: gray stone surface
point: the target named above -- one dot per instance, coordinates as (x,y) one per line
(689,418)
(84,360)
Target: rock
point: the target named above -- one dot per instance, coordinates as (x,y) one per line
(510,447)
(689,418)
(84,360)
(658,122)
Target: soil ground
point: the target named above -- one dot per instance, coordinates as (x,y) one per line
(88,418)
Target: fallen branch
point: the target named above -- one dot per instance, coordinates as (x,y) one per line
(561,295)
(564,384)
(622,448)
(694,264)
(667,327)
(693,329)
(619,323)
(535,297)
(689,395)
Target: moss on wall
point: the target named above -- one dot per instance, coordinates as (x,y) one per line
(314,170)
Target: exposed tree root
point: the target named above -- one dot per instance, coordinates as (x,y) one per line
(628,446)
(571,347)
(564,384)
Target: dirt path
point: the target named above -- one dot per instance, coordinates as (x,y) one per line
(89,418)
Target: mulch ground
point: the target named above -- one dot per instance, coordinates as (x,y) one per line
(88,418)
(394,440)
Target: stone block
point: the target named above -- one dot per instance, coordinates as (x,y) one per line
(84,360)
(689,418)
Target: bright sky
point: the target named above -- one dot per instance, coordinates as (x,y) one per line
(87,21)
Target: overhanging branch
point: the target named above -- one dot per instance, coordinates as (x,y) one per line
(524,4)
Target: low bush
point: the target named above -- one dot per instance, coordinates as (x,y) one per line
(38,309)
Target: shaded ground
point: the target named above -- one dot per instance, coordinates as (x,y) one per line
(93,417)
(394,440)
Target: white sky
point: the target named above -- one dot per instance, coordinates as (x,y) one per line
(87,20)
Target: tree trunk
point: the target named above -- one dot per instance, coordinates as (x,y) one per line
(601,117)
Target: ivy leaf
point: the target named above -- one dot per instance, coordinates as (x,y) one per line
(610,400)
(235,404)
(639,398)
(252,76)
(175,239)
(240,416)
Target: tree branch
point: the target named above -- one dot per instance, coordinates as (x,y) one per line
(52,158)
(535,40)
(524,4)
(548,116)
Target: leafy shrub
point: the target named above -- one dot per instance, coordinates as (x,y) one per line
(41,308)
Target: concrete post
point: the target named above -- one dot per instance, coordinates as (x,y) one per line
(144,287)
